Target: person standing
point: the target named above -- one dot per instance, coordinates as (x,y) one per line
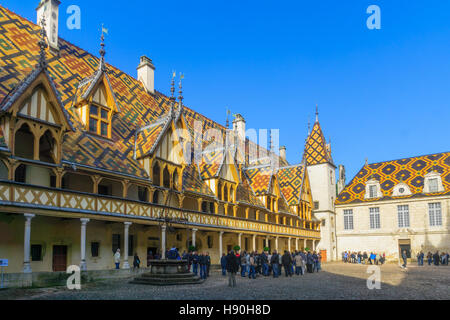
(287,261)
(265,261)
(309,262)
(274,261)
(420,257)
(223,264)
(298,264)
(195,260)
(136,261)
(243,263)
(436,258)
(405,259)
(117,259)
(202,262)
(429,258)
(252,267)
(208,264)
(232,267)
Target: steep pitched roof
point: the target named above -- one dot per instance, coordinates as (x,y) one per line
(245,194)
(260,178)
(291,180)
(410,171)
(316,150)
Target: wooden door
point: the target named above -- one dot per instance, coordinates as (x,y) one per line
(59,258)
(323,253)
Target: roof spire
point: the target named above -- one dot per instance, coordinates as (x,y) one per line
(102,48)
(180,97)
(43,45)
(317,113)
(172,86)
(227,125)
(270,141)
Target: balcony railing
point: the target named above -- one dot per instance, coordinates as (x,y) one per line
(28,196)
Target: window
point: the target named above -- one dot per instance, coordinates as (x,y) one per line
(348,219)
(142,194)
(36,252)
(95,246)
(211,207)
(323,223)
(433,185)
(21,173)
(316,205)
(375,218)
(104,190)
(435,213)
(100,114)
(403,216)
(210,242)
(115,242)
(372,191)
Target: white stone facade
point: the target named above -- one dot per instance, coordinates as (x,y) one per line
(419,233)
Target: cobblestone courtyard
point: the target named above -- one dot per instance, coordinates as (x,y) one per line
(336,281)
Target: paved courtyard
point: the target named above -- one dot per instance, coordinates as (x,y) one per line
(336,281)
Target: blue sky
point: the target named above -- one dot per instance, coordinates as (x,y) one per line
(382,94)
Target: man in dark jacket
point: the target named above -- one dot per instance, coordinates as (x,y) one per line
(232,267)
(223,264)
(309,262)
(202,262)
(275,262)
(405,259)
(286,260)
(195,260)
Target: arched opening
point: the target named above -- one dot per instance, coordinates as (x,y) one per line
(47,148)
(77,182)
(204,206)
(175,180)
(24,143)
(166,178)
(3,171)
(219,191)
(108,187)
(35,175)
(225,194)
(155,199)
(156,175)
(231,194)
(137,193)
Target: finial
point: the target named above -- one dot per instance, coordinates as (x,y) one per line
(270,141)
(367,161)
(43,45)
(180,97)
(317,113)
(102,48)
(172,86)
(228,119)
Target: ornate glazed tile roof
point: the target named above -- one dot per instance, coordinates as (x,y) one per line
(260,178)
(245,194)
(193,183)
(316,150)
(410,171)
(73,73)
(290,180)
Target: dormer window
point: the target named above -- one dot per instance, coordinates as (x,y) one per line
(373,189)
(100,114)
(433,183)
(401,190)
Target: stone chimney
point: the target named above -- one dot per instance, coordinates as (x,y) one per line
(50,10)
(283,153)
(239,126)
(146,73)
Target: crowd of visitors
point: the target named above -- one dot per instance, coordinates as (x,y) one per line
(375,258)
(363,257)
(254,264)
(433,258)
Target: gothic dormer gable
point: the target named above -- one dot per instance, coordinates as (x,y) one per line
(37,99)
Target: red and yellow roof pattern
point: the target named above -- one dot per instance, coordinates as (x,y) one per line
(290,180)
(260,178)
(316,148)
(410,171)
